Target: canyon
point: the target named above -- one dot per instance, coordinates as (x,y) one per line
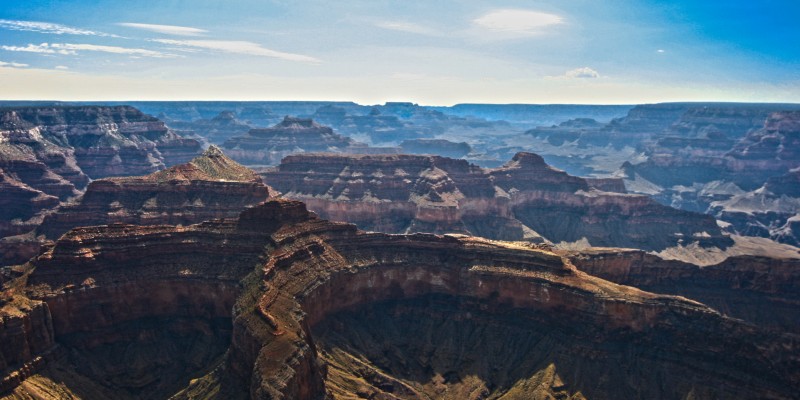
(180,273)
(283,296)
(524,200)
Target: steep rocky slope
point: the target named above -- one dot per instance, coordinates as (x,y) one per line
(519,201)
(290,295)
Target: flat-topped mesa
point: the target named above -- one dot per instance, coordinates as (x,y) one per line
(292,135)
(285,278)
(210,186)
(522,200)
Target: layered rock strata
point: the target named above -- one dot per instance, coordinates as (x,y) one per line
(519,201)
(289,281)
(210,186)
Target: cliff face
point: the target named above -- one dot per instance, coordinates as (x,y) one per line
(210,186)
(302,285)
(519,201)
(267,146)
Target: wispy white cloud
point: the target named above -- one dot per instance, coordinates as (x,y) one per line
(166,29)
(582,73)
(239,47)
(404,26)
(47,27)
(61,67)
(4,64)
(73,49)
(43,48)
(515,21)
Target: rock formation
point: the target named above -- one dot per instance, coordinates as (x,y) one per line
(519,201)
(285,292)
(210,186)
(267,146)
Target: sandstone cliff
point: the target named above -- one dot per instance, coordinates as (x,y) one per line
(519,201)
(489,319)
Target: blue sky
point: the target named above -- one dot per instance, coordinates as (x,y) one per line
(444,52)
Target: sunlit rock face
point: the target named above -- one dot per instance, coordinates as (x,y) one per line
(524,200)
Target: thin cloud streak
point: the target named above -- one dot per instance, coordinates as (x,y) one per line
(4,64)
(404,26)
(73,49)
(47,27)
(239,47)
(166,29)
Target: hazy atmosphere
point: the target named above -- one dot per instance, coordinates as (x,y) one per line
(437,53)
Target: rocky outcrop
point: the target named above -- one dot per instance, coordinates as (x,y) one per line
(267,146)
(210,186)
(300,284)
(520,201)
